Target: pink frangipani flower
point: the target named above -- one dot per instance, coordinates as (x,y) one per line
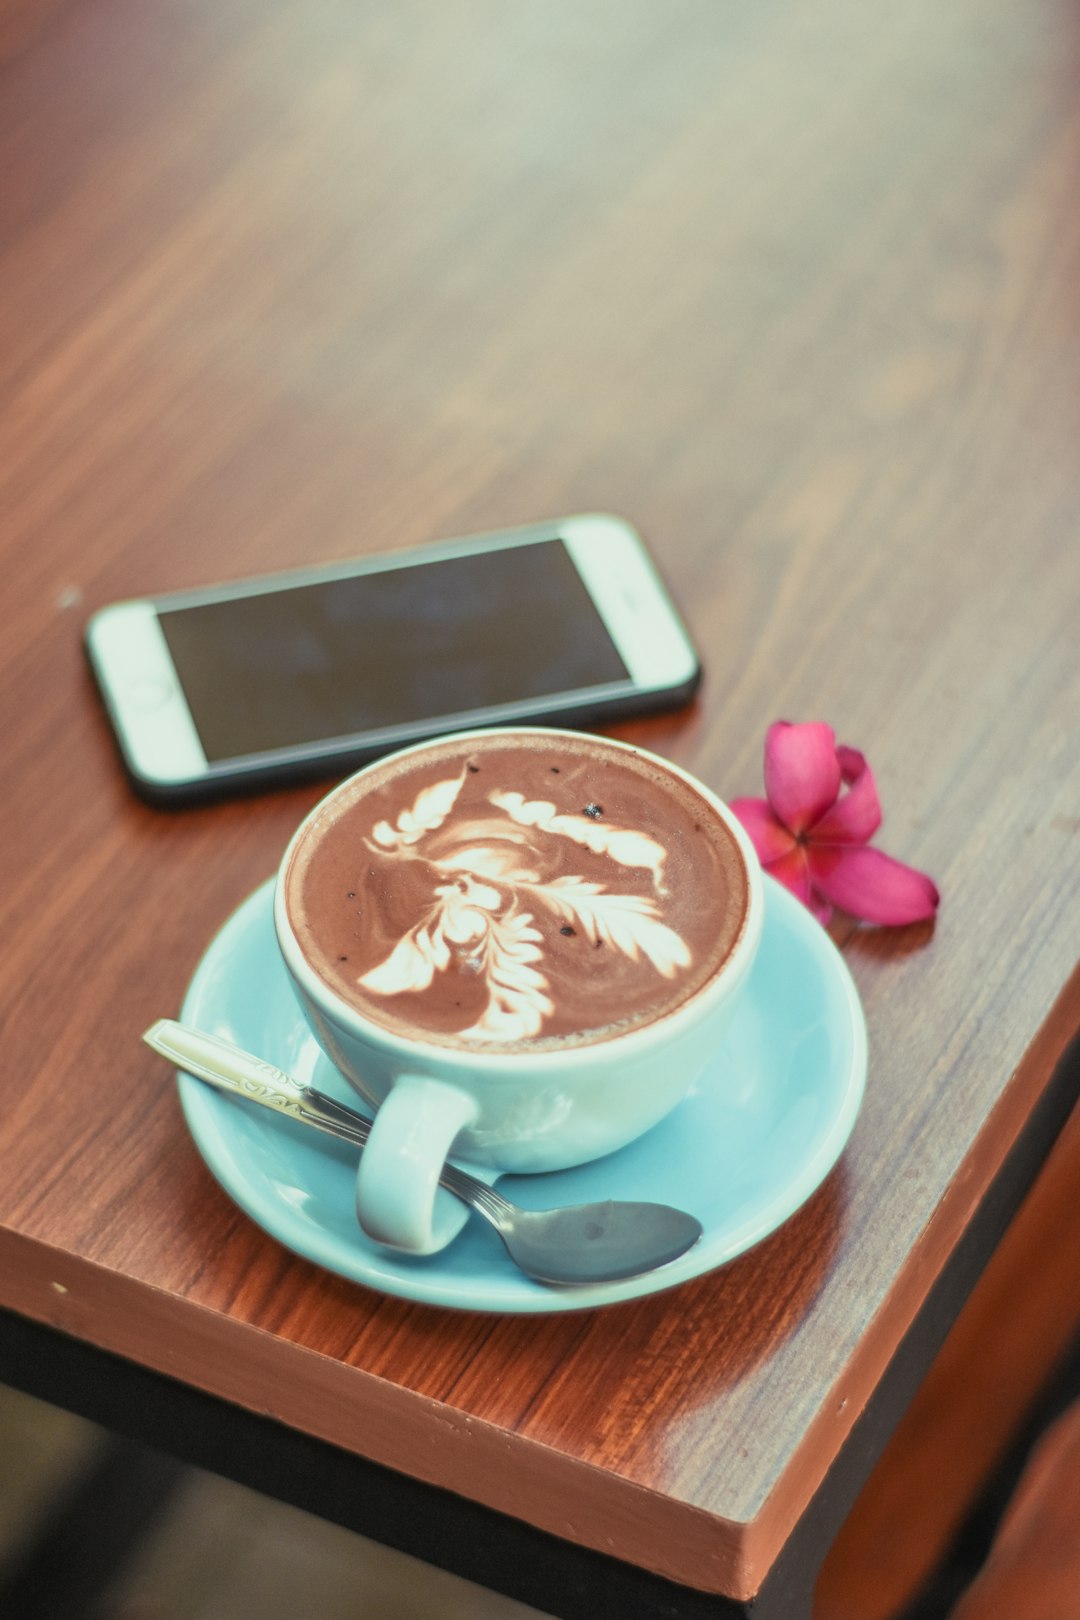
(812,831)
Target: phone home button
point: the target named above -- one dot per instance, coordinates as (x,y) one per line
(146,692)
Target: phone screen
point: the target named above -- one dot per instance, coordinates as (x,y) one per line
(281,668)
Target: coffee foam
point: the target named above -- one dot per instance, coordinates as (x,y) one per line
(525,892)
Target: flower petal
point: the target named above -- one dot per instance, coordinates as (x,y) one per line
(769,837)
(856,815)
(821,908)
(802,772)
(872,886)
(793,871)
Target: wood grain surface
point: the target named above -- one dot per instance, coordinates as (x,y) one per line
(791,286)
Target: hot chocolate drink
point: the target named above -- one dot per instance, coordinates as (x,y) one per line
(517,892)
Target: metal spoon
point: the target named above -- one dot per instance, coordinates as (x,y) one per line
(582,1243)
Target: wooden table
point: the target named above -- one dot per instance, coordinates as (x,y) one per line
(794,288)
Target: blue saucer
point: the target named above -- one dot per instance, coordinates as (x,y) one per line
(742,1152)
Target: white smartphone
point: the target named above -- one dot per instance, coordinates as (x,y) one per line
(265,681)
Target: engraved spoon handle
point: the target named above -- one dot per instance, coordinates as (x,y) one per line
(226,1066)
(220,1063)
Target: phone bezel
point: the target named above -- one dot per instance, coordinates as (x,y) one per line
(158,739)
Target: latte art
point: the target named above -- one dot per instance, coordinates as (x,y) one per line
(503,895)
(482,919)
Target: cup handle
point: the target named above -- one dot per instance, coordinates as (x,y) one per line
(402,1160)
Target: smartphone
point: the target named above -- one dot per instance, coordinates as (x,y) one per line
(265,681)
